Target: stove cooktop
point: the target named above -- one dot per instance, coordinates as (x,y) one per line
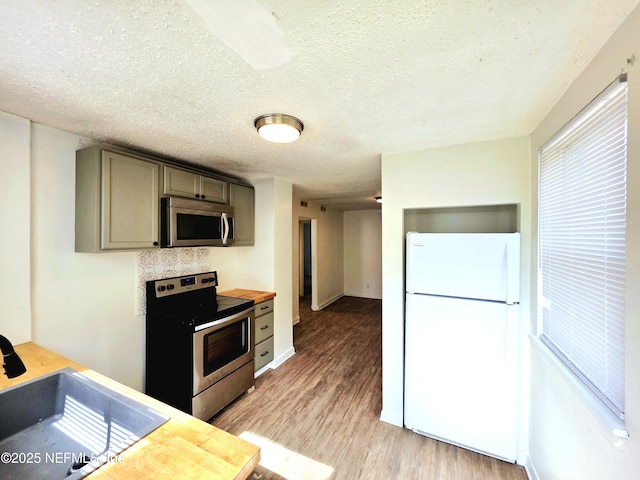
(192,299)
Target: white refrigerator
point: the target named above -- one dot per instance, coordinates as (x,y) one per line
(461,339)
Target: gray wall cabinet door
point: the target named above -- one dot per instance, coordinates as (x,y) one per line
(192,185)
(242,199)
(129,202)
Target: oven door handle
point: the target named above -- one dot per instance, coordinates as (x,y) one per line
(223,321)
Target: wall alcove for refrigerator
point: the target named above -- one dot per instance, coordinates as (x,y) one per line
(464,219)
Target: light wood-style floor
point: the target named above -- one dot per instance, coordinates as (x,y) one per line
(317,415)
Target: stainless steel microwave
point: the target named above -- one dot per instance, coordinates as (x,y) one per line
(194,223)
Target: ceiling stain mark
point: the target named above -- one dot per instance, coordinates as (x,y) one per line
(248,29)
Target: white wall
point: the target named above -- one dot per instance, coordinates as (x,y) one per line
(283,260)
(363,253)
(327,247)
(83,304)
(253,267)
(567,441)
(484,173)
(15,240)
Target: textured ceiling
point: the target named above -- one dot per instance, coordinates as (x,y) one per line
(186,79)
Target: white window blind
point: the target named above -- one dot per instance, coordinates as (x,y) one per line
(582,223)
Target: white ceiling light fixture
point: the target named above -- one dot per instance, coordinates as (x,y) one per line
(279,127)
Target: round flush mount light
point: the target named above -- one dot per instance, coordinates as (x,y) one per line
(279,127)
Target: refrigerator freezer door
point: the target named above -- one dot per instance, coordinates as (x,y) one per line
(461,373)
(467,265)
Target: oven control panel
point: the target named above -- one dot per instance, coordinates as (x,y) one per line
(175,285)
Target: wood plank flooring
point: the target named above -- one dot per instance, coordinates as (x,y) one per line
(317,415)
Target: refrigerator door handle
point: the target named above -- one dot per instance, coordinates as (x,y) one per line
(512,253)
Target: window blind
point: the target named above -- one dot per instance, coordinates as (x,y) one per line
(582,224)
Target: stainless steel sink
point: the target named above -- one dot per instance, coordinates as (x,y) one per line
(65,425)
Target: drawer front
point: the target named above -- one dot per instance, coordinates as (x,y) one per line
(264,353)
(264,308)
(264,327)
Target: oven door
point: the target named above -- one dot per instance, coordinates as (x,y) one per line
(221,347)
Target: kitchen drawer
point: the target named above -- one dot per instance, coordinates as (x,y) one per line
(264,353)
(264,307)
(264,327)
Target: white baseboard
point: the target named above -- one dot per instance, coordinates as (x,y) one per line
(262,370)
(275,363)
(363,295)
(283,358)
(392,419)
(296,319)
(327,302)
(531,471)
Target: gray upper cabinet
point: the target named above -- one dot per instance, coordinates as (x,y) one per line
(242,199)
(188,184)
(118,198)
(117,201)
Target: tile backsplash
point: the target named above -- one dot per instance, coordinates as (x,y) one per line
(165,263)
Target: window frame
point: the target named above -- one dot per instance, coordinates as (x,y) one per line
(559,355)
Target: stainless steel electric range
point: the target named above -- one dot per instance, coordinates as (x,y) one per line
(199,345)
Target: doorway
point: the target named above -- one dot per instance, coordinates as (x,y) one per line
(305,286)
(307,267)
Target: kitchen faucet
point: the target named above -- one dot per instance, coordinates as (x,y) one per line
(13,366)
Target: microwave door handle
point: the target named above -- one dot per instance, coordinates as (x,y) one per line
(225,228)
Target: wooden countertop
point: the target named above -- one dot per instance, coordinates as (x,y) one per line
(182,448)
(255,295)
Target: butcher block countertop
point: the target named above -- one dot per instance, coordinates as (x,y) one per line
(182,448)
(255,295)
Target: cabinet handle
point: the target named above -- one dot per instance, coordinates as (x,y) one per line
(202,196)
(264,353)
(264,327)
(264,308)
(197,195)
(155,244)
